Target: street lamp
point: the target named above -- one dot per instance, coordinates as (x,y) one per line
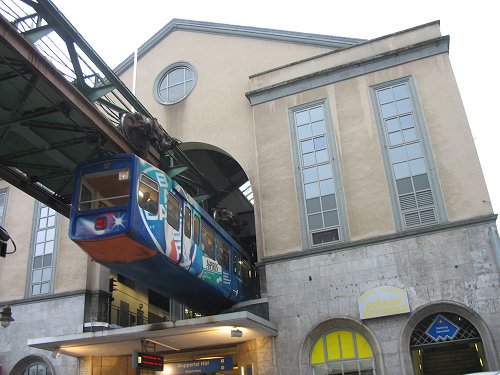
(6,316)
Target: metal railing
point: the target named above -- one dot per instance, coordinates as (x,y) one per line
(126,318)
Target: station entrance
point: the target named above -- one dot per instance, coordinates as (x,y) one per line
(446,343)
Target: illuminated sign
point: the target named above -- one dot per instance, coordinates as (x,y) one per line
(200,366)
(383,301)
(147,361)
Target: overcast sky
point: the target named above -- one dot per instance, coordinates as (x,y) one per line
(116,28)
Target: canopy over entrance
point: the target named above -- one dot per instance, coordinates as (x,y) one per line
(169,337)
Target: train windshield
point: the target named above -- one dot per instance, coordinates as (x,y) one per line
(108,188)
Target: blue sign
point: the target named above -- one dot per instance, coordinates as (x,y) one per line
(200,366)
(442,329)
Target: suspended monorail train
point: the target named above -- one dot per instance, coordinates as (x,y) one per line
(131,217)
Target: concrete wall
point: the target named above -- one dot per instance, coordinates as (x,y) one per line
(363,175)
(454,267)
(258,136)
(18,218)
(259,355)
(61,312)
(46,318)
(71,261)
(216,113)
(451,266)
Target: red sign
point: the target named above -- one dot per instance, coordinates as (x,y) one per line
(147,361)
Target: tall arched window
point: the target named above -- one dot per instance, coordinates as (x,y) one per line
(343,352)
(43,250)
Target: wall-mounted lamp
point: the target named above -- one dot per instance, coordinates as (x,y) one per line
(6,316)
(55,353)
(236,332)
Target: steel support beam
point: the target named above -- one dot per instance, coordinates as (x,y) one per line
(53,78)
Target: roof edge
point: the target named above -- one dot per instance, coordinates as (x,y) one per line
(236,30)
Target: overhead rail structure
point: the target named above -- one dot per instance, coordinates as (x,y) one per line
(61,104)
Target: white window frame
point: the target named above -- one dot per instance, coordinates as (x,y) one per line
(401,212)
(47,272)
(307,232)
(162,80)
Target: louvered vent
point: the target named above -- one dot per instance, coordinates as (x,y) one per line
(424,198)
(406,154)
(407,202)
(412,219)
(428,216)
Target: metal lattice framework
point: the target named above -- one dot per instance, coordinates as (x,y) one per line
(466,332)
(62,104)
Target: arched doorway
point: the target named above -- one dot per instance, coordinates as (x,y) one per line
(446,343)
(232,202)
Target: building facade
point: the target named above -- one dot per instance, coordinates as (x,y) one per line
(376,244)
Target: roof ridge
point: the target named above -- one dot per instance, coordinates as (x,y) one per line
(238,30)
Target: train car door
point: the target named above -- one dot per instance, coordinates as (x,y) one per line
(195,252)
(236,284)
(241,276)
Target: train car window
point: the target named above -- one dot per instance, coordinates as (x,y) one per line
(148,194)
(108,188)
(222,254)
(245,271)
(85,199)
(208,241)
(236,264)
(196,229)
(187,221)
(173,212)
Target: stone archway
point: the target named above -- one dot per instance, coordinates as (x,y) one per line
(339,324)
(31,360)
(442,333)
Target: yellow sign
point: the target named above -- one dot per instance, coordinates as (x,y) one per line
(383,301)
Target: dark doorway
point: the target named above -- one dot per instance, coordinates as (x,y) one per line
(459,350)
(450,360)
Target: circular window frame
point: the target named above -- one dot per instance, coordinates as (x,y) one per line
(163,74)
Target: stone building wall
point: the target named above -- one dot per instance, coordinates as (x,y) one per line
(36,319)
(454,268)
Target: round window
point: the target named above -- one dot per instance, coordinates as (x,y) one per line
(174,83)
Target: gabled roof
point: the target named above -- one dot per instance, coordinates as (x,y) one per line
(328,41)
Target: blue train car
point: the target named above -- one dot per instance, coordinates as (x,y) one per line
(131,217)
